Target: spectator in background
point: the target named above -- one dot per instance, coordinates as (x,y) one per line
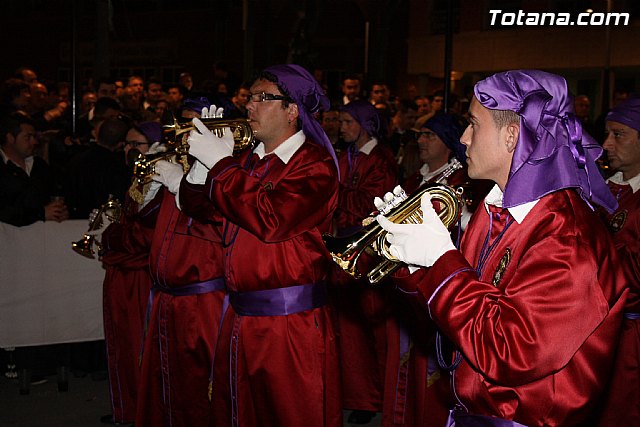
(99,171)
(238,107)
(351,86)
(582,106)
(152,94)
(26,74)
(27,186)
(186,81)
(16,96)
(107,87)
(175,97)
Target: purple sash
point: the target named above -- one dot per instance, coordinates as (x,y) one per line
(458,418)
(631,316)
(216,284)
(212,285)
(279,301)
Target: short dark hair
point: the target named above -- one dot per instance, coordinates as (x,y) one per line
(113,131)
(11,124)
(504,118)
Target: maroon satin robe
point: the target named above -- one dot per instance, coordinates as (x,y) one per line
(182,330)
(283,369)
(125,293)
(364,312)
(539,343)
(623,398)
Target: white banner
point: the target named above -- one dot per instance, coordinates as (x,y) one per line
(48,293)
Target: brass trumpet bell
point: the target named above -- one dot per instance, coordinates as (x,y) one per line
(346,251)
(112,210)
(372,238)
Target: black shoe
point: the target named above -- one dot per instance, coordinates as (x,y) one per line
(360,417)
(108,419)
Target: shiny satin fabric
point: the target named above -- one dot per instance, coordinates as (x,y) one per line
(538,346)
(621,406)
(274,370)
(182,330)
(363,311)
(125,292)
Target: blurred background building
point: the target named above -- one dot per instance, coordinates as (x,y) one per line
(400,42)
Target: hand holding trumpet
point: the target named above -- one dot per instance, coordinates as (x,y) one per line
(418,244)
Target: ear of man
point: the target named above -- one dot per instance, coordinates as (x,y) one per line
(512,133)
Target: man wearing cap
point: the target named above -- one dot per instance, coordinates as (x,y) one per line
(367,169)
(534,298)
(276,358)
(623,149)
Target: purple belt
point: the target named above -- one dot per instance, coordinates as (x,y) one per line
(632,316)
(195,288)
(279,301)
(212,285)
(459,418)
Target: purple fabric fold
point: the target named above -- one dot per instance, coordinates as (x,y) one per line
(552,152)
(307,93)
(279,301)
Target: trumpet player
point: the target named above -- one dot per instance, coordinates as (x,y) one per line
(127,283)
(533,300)
(185,307)
(276,362)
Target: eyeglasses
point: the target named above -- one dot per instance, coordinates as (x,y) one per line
(261,96)
(136,144)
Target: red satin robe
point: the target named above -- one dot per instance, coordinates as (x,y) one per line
(125,294)
(182,330)
(283,369)
(364,312)
(623,399)
(538,345)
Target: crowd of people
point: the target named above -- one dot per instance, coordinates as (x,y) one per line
(222,304)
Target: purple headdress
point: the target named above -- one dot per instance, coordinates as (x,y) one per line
(552,152)
(307,93)
(366,115)
(627,113)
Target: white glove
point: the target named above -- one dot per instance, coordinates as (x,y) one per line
(168,174)
(198,173)
(156,148)
(105,223)
(211,112)
(418,244)
(207,147)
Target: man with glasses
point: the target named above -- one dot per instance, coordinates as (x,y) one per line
(276,360)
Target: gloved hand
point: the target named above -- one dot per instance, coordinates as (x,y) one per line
(211,112)
(151,192)
(103,220)
(418,244)
(156,147)
(168,174)
(198,173)
(207,147)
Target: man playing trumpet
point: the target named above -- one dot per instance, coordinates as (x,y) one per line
(276,360)
(533,299)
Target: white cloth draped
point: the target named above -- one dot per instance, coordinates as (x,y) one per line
(48,293)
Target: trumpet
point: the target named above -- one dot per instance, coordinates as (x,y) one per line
(112,210)
(175,135)
(345,251)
